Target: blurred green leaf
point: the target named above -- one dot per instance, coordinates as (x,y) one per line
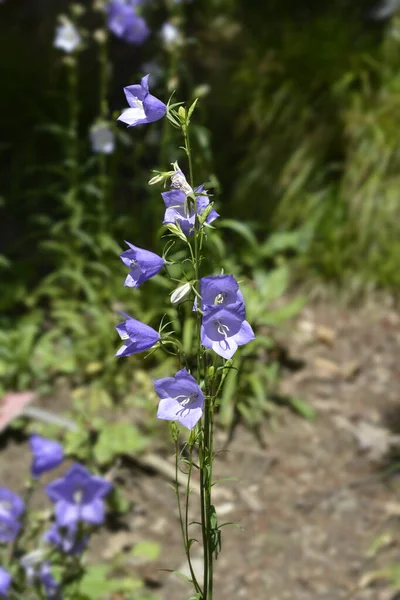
(147,550)
(117,439)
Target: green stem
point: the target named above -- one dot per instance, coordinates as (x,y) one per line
(205,441)
(195,583)
(185,523)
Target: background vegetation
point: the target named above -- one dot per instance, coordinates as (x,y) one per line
(297,136)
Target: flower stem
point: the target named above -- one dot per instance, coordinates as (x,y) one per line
(184,523)
(205,434)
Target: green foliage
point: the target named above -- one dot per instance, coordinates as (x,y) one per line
(75,209)
(98,583)
(316,109)
(116,439)
(146,550)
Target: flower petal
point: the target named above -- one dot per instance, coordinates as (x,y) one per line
(67,514)
(133,116)
(190,417)
(154,108)
(245,335)
(93,512)
(225,348)
(168,409)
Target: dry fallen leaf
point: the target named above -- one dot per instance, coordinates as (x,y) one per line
(12,406)
(324,334)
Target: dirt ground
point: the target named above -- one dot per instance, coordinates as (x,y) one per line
(311,503)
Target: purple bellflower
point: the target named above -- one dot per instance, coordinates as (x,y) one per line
(181,399)
(47,454)
(9,527)
(144,108)
(102,138)
(78,496)
(11,508)
(124,22)
(143,264)
(136,336)
(170,34)
(178,211)
(66,539)
(224,328)
(51,586)
(39,570)
(5,582)
(11,503)
(220,290)
(67,37)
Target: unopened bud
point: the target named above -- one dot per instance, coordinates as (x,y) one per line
(181,293)
(174,431)
(160,177)
(176,230)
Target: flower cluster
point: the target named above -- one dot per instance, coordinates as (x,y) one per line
(182,213)
(125,22)
(224,326)
(78,506)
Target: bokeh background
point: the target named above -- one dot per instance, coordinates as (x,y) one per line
(296,134)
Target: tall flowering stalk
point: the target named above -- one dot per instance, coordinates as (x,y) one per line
(190,396)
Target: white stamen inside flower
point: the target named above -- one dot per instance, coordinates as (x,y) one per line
(219,298)
(186,399)
(221,328)
(78,496)
(185,403)
(125,336)
(133,263)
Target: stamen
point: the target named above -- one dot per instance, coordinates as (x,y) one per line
(78,496)
(185,403)
(133,263)
(138,103)
(125,336)
(219,298)
(221,328)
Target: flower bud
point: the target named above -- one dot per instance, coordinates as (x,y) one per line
(160,177)
(181,293)
(174,431)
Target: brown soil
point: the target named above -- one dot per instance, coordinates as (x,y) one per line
(313,501)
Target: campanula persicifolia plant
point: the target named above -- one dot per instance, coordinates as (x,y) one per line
(43,557)
(190,396)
